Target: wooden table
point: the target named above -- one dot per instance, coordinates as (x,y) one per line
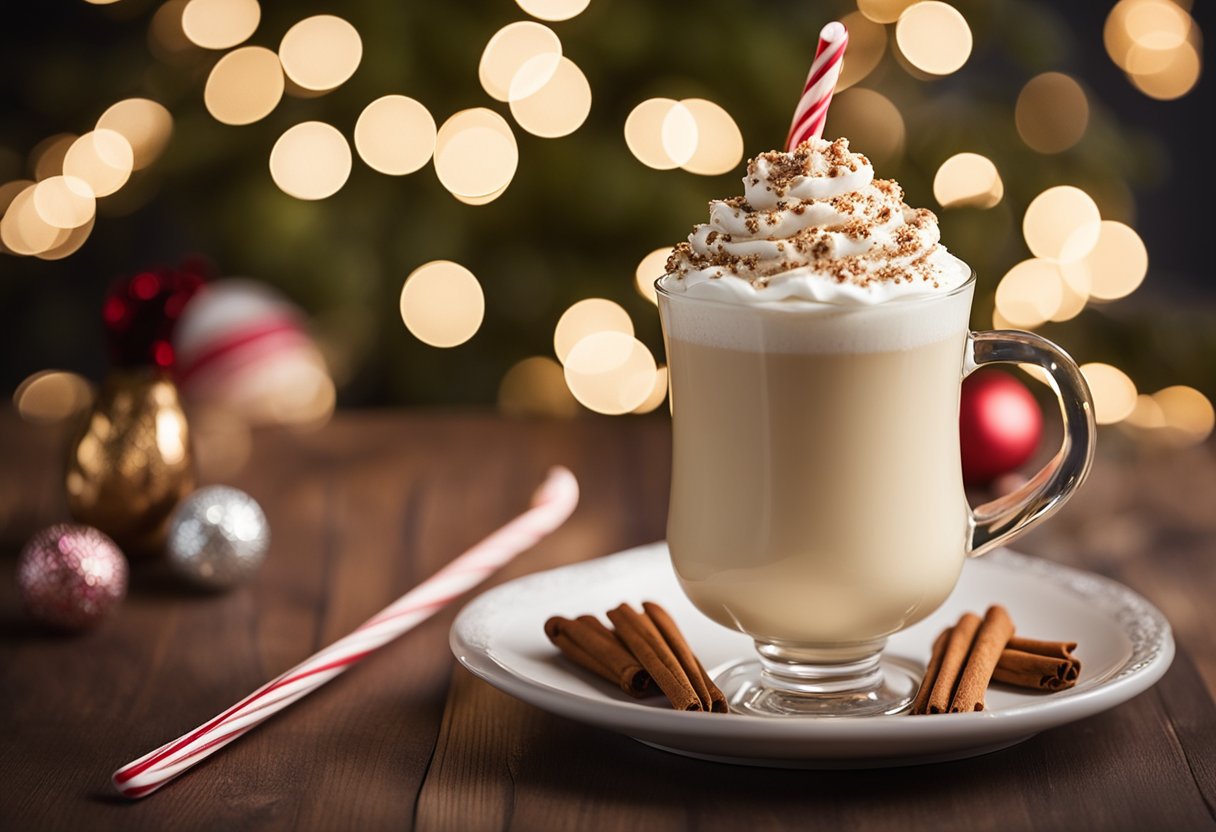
(376,502)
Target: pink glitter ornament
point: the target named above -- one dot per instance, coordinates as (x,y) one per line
(71,576)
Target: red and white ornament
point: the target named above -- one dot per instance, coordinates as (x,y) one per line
(243,347)
(1000,425)
(71,576)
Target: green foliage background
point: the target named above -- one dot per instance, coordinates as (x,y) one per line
(581,211)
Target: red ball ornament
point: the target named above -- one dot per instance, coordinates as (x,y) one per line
(1000,425)
(71,576)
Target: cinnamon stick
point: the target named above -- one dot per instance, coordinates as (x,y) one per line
(712,699)
(1027,670)
(1058,649)
(990,641)
(920,705)
(958,645)
(589,644)
(643,639)
(1043,665)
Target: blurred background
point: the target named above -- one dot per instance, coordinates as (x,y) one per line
(525,165)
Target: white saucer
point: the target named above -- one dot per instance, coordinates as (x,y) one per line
(1125,645)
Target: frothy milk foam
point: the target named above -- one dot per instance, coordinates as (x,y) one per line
(815,333)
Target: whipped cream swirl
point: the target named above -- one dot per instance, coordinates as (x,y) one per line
(814,225)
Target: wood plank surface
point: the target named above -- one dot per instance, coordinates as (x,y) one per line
(501,764)
(375,502)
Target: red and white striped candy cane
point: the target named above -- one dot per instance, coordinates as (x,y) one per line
(812,109)
(552,504)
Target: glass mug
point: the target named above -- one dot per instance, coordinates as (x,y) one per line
(817,500)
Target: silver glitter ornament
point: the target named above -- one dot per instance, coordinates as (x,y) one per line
(218,537)
(71,576)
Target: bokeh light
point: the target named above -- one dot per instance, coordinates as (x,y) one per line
(52,396)
(442,303)
(310,160)
(64,201)
(1062,223)
(244,86)
(26,228)
(1115,266)
(509,59)
(871,123)
(657,396)
(867,43)
(882,11)
(644,132)
(1187,412)
(695,134)
(23,231)
(68,243)
(1029,293)
(1158,24)
(610,372)
(1052,112)
(533,76)
(934,37)
(1176,417)
(679,133)
(475,153)
(1113,391)
(553,9)
(321,52)
(1152,24)
(1146,414)
(536,386)
(1074,293)
(652,267)
(1172,77)
(47,157)
(968,179)
(102,158)
(220,24)
(559,107)
(587,317)
(1157,43)
(719,144)
(145,124)
(395,135)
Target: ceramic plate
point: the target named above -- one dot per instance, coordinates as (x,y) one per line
(1125,645)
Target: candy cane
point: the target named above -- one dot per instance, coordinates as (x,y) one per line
(812,109)
(552,504)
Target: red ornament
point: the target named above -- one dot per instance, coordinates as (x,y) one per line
(141,312)
(71,576)
(1000,425)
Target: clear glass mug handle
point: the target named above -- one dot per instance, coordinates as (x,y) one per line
(1000,520)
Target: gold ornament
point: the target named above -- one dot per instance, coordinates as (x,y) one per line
(131,463)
